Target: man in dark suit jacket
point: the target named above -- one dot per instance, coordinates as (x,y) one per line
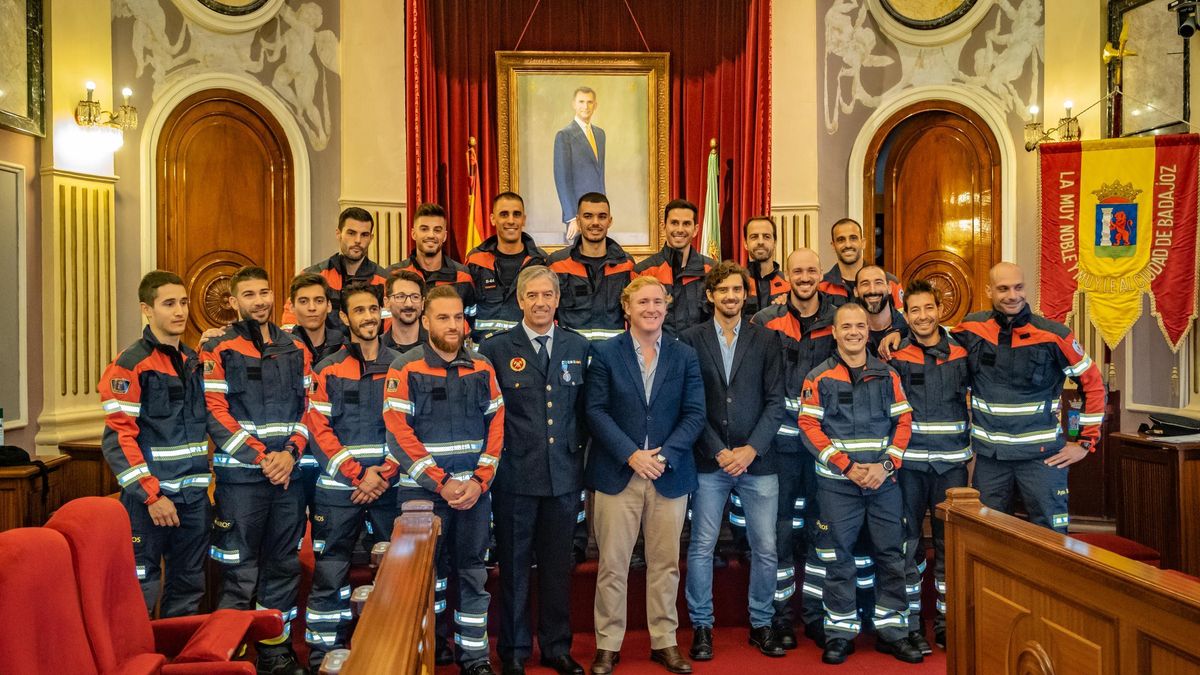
(578,158)
(645,409)
(540,368)
(742,367)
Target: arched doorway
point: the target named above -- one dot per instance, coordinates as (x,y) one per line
(224,199)
(932,202)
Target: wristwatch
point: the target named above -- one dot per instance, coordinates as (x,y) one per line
(1087,444)
(889,466)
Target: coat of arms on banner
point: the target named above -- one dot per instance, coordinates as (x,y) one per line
(1116,220)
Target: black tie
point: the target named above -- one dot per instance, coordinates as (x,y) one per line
(544,352)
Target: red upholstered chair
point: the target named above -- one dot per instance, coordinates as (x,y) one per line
(1121,546)
(114,613)
(39,600)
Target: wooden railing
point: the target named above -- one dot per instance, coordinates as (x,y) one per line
(1024,599)
(394,633)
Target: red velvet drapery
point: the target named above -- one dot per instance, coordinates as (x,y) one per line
(720,87)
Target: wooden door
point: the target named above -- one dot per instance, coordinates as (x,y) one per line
(225,199)
(940,201)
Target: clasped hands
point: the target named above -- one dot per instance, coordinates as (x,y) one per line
(461,494)
(737,461)
(867,476)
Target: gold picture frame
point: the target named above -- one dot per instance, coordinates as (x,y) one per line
(535,119)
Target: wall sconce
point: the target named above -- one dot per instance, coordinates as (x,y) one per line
(1067,129)
(108,127)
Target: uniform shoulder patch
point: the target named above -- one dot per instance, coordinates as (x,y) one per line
(119,386)
(1077,346)
(209,366)
(393,385)
(807,394)
(312,388)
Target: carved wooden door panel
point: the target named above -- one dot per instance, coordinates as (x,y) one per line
(941,202)
(225,199)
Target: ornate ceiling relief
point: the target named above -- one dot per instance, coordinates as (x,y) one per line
(928,38)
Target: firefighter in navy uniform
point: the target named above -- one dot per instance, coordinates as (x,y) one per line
(540,368)
(592,273)
(428,259)
(256,379)
(406,301)
(883,319)
(155,442)
(805,325)
(1019,362)
(768,283)
(840,280)
(856,423)
(345,419)
(308,296)
(933,371)
(495,264)
(445,423)
(680,268)
(355,231)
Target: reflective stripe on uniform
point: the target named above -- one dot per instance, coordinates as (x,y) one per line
(176,452)
(1015,439)
(938,427)
(130,408)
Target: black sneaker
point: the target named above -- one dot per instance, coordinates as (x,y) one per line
(785,634)
(918,640)
(702,649)
(767,641)
(939,637)
(837,650)
(279,663)
(477,668)
(902,649)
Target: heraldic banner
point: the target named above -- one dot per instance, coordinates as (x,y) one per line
(1118,219)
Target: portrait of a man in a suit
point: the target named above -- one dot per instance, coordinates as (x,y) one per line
(578,158)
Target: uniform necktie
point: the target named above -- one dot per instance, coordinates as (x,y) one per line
(587,129)
(544,352)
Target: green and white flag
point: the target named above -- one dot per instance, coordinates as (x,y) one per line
(710,240)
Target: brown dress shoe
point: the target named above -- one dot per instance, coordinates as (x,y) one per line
(671,659)
(604,661)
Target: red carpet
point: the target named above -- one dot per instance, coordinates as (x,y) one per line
(734,655)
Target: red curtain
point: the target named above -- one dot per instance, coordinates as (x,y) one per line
(720,88)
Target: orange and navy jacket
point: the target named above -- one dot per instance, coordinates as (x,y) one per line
(801,353)
(854,419)
(689,306)
(937,384)
(345,419)
(592,307)
(1018,368)
(333,270)
(155,435)
(764,288)
(257,395)
(496,306)
(451,273)
(833,284)
(445,420)
(334,340)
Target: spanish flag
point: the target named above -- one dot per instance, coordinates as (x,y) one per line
(475,218)
(1118,219)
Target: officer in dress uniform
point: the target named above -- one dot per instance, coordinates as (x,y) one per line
(540,368)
